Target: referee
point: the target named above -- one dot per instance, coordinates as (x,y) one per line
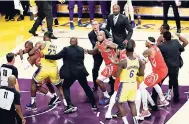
(174,4)
(44,11)
(10,103)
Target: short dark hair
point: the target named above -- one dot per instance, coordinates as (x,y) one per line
(10,57)
(29,42)
(73,38)
(152,39)
(130,46)
(167,35)
(166,26)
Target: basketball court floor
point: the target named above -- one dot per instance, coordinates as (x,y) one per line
(12,38)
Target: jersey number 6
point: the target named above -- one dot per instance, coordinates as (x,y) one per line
(131,73)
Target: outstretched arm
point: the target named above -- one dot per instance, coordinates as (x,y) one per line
(37,47)
(60,55)
(92,52)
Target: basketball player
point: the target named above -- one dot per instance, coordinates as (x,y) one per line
(159,72)
(47,69)
(110,57)
(163,28)
(7,70)
(128,69)
(10,102)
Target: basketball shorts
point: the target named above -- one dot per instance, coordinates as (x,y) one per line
(126,92)
(109,70)
(155,78)
(44,73)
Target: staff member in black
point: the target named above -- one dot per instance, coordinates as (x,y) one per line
(174,4)
(44,11)
(10,103)
(119,23)
(171,49)
(73,69)
(97,57)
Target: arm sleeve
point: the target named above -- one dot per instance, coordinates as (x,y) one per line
(15,72)
(60,55)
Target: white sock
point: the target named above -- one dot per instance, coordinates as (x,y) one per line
(125,120)
(21,12)
(106,94)
(150,100)
(50,94)
(33,99)
(131,10)
(71,21)
(138,102)
(65,103)
(144,98)
(160,92)
(112,102)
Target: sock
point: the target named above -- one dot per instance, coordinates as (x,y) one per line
(135,120)
(160,92)
(144,98)
(64,101)
(138,102)
(50,94)
(106,94)
(125,120)
(112,102)
(22,13)
(71,21)
(33,99)
(131,10)
(151,101)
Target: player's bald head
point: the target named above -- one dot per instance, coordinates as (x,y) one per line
(11,80)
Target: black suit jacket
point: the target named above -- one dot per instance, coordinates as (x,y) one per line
(93,37)
(73,62)
(119,33)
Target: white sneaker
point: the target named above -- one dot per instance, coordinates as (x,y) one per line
(145,114)
(168,97)
(163,103)
(89,26)
(108,116)
(140,118)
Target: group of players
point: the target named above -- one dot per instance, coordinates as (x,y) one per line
(124,65)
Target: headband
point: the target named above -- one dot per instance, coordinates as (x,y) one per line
(150,41)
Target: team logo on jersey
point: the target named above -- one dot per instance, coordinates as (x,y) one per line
(151,79)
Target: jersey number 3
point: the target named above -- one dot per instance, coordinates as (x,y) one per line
(51,51)
(131,73)
(4,72)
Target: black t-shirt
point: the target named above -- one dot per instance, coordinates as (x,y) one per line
(9,97)
(6,71)
(171,51)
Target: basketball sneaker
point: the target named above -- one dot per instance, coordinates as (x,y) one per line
(108,116)
(145,114)
(31,107)
(163,103)
(70,109)
(104,101)
(116,115)
(94,108)
(80,23)
(55,100)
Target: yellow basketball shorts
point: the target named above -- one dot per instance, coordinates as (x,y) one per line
(126,92)
(44,73)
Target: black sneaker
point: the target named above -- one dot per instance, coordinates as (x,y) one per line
(70,109)
(31,107)
(94,108)
(56,23)
(116,115)
(53,101)
(6,18)
(178,31)
(53,37)
(153,108)
(20,18)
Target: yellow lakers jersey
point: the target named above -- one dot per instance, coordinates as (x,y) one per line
(130,72)
(49,49)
